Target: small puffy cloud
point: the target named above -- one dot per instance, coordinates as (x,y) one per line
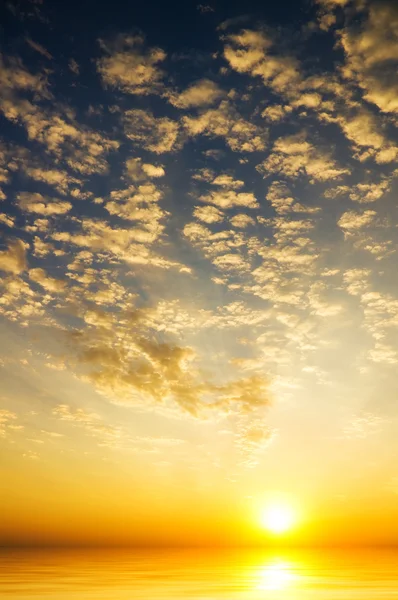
(42,205)
(14,77)
(247,52)
(280,198)
(91,423)
(227,181)
(229,199)
(356,281)
(294,156)
(153,171)
(130,245)
(252,439)
(231,262)
(326,13)
(74,66)
(7,220)
(225,121)
(50,284)
(158,135)
(139,204)
(363,129)
(13,260)
(363,425)
(383,353)
(6,421)
(139,171)
(276,112)
(371,48)
(242,221)
(54,126)
(250,393)
(60,180)
(201,93)
(208,214)
(205,8)
(351,221)
(364,193)
(39,48)
(129,66)
(308,100)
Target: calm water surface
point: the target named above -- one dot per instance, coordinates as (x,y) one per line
(199,575)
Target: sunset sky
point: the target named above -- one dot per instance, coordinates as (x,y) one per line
(198,271)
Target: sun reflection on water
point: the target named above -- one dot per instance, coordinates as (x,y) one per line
(276,576)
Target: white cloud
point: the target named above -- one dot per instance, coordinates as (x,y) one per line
(371,49)
(42,205)
(158,135)
(208,214)
(294,156)
(229,199)
(351,221)
(201,93)
(130,67)
(13,259)
(224,121)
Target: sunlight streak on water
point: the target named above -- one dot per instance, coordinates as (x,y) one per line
(198,575)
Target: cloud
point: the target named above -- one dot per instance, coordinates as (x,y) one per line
(208,214)
(231,262)
(107,435)
(50,284)
(351,221)
(249,393)
(371,49)
(281,200)
(139,204)
(54,126)
(326,16)
(252,439)
(224,121)
(60,180)
(14,77)
(294,156)
(39,48)
(357,281)
(7,220)
(276,113)
(242,221)
(247,52)
(227,181)
(201,93)
(13,260)
(74,66)
(364,193)
(205,8)
(127,244)
(139,171)
(42,205)
(229,199)
(383,353)
(6,419)
(363,129)
(130,67)
(158,135)
(363,425)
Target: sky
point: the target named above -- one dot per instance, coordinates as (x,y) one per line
(198,290)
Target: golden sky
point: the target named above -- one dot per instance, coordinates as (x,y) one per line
(198,289)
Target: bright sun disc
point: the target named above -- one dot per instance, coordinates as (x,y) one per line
(278,518)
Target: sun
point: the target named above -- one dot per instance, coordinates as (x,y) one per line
(278,518)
